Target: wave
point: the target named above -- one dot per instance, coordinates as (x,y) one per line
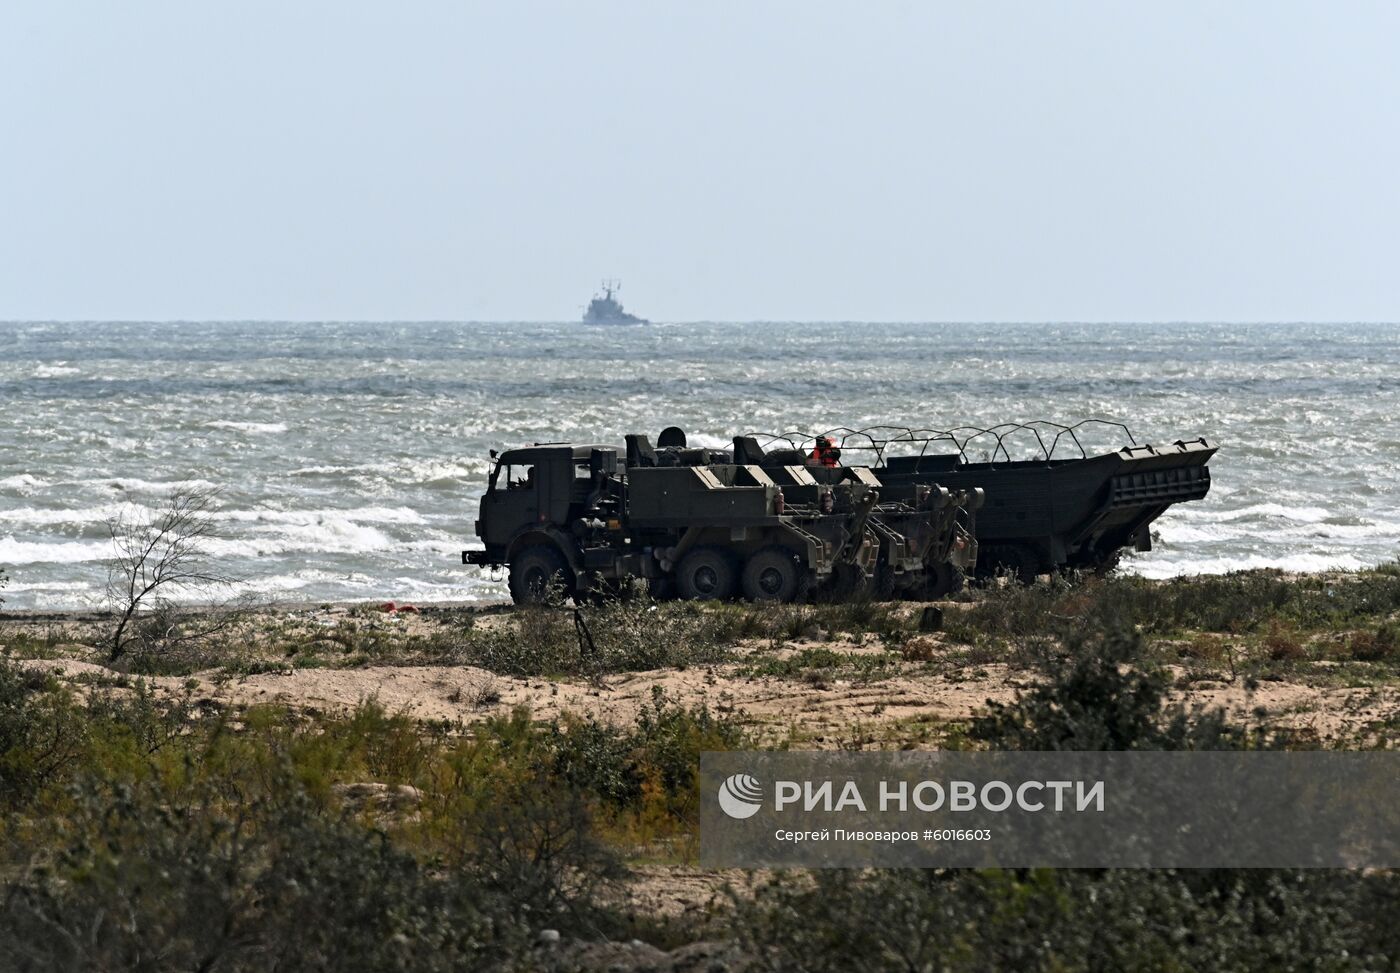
(137,485)
(1357,529)
(1224,564)
(1258,511)
(16,552)
(328,536)
(47,517)
(22,483)
(250,427)
(15,586)
(429,472)
(308,518)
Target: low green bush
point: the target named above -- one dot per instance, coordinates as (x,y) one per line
(618,635)
(42,735)
(650,769)
(193,878)
(1237,603)
(1099,692)
(1065,921)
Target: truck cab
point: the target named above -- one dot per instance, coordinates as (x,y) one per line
(536,488)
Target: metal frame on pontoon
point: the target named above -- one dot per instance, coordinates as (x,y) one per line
(879,438)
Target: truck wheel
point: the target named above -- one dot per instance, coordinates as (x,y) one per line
(535,570)
(884,585)
(847,583)
(942,579)
(772,574)
(707,573)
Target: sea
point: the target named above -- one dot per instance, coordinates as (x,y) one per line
(349,457)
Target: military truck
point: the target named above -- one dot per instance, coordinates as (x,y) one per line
(578,517)
(584,519)
(1062,508)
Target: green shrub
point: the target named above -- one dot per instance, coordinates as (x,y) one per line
(1380,645)
(494,809)
(1099,693)
(617,635)
(158,880)
(42,735)
(652,768)
(827,663)
(963,921)
(1241,602)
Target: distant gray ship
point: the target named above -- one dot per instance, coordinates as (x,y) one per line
(607,309)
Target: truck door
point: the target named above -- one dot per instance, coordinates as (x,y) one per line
(518,498)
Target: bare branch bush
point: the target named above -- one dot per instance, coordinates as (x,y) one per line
(159,556)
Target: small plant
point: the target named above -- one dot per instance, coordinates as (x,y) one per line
(616,635)
(919,649)
(1282,645)
(41,734)
(1379,646)
(1101,693)
(157,555)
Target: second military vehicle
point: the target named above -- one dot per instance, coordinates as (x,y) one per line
(1062,508)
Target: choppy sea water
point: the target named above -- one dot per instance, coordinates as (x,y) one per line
(350,456)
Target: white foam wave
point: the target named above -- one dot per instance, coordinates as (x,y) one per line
(1172,532)
(22,482)
(249,427)
(57,370)
(437,471)
(329,470)
(306,518)
(13,586)
(16,552)
(1300,563)
(1259,511)
(327,536)
(138,485)
(413,471)
(45,517)
(700,440)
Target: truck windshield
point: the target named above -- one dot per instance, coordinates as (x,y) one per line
(520,477)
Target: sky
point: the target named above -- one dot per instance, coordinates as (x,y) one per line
(890,161)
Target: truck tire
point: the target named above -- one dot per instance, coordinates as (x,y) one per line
(773,574)
(707,574)
(942,579)
(534,570)
(846,583)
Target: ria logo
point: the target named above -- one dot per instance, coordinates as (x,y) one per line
(740,796)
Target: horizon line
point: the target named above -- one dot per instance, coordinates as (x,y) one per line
(731,321)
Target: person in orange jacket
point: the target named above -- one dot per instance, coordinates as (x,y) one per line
(824,453)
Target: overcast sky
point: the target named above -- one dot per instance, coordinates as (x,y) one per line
(729,161)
